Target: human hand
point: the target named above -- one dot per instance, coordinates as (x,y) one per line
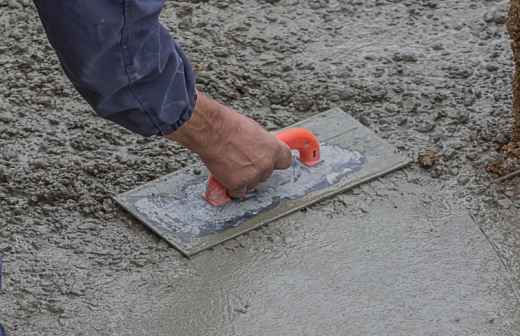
(237,150)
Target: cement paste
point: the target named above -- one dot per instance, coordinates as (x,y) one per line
(189,215)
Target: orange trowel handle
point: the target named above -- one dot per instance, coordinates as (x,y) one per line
(300,139)
(305,142)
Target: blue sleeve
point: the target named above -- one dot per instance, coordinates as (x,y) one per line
(122,61)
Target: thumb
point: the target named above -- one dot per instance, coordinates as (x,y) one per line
(284,157)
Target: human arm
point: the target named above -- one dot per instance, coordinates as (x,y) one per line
(131,71)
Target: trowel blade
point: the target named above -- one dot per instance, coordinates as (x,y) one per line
(172,206)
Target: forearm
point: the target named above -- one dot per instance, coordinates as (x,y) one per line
(122,61)
(205,131)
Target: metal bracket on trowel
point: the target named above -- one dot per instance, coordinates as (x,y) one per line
(346,155)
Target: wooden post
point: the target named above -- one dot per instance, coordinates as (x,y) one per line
(513,26)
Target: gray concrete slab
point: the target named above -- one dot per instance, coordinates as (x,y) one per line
(398,261)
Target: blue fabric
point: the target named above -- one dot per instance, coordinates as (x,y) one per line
(122,61)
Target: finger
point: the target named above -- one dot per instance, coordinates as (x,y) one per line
(284,159)
(265,176)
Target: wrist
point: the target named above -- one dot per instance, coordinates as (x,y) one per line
(206,130)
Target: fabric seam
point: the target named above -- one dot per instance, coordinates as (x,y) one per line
(126,59)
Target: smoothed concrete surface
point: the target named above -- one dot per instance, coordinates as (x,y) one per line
(410,262)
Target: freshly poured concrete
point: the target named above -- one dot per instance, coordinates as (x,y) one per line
(391,259)
(420,73)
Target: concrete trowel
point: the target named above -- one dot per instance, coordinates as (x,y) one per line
(300,139)
(192,210)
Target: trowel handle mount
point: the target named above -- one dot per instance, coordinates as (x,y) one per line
(300,139)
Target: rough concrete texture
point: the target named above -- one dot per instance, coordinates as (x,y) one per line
(422,74)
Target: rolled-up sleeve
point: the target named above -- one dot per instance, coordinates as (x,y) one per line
(122,61)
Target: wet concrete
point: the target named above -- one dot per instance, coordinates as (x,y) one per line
(189,213)
(415,263)
(421,74)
